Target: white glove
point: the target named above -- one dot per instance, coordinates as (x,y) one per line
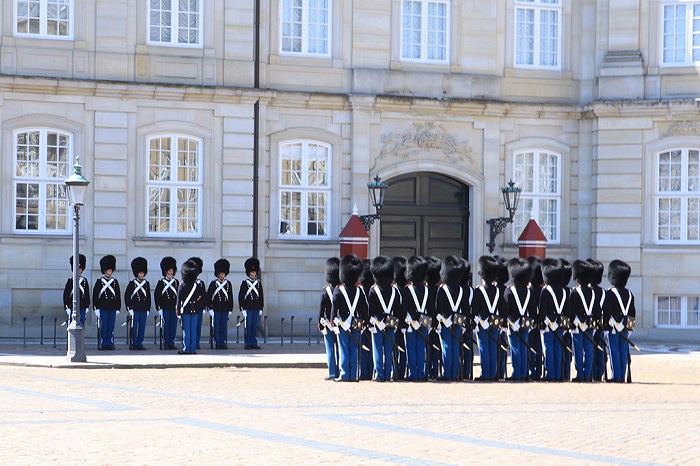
(211,313)
(117,312)
(148,313)
(336,330)
(230,312)
(606,333)
(403,330)
(68,312)
(245,313)
(438,330)
(260,313)
(373,320)
(131,313)
(447,322)
(372,330)
(179,316)
(380,325)
(160,313)
(415,324)
(515,326)
(440,318)
(97,313)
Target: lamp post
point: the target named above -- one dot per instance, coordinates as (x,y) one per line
(77,185)
(377,190)
(511,197)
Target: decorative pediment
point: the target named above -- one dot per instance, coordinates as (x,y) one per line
(684,128)
(422,139)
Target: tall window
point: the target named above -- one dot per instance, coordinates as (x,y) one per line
(681,33)
(44,18)
(678,196)
(175,22)
(677,311)
(538,34)
(42,160)
(425,30)
(539,175)
(174,186)
(305,189)
(305,27)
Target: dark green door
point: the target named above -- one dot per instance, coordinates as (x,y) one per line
(425,214)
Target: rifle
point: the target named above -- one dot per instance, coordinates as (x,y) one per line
(561,340)
(391,340)
(590,338)
(211,332)
(359,344)
(427,341)
(630,342)
(130,324)
(527,345)
(449,329)
(99,333)
(161,332)
(495,340)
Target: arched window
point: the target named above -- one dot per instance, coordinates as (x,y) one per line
(42,159)
(678,196)
(538,173)
(174,186)
(304,189)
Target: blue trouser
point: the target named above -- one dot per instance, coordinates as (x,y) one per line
(598,356)
(140,321)
(83,313)
(348,354)
(450,353)
(488,351)
(435,355)
(467,353)
(200,319)
(189,333)
(552,355)
(619,350)
(535,360)
(169,328)
(107,319)
(366,360)
(383,352)
(331,341)
(583,355)
(415,353)
(221,329)
(251,328)
(519,353)
(501,355)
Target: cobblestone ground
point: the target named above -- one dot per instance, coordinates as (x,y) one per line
(292,416)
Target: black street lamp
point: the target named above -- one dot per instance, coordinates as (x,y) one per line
(377,190)
(77,185)
(511,197)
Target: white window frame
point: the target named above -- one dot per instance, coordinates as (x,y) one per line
(683,310)
(44,180)
(44,18)
(685,196)
(523,215)
(174,186)
(304,189)
(538,8)
(175,26)
(306,29)
(424,31)
(691,8)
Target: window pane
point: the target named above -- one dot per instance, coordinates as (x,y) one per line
(187,160)
(188,210)
(291,155)
(159,159)
(290,213)
(159,210)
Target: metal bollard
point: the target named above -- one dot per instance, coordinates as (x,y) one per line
(41,341)
(238,322)
(291,339)
(265,329)
(282,331)
(24,332)
(310,319)
(55,324)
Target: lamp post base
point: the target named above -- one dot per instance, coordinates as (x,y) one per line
(76,342)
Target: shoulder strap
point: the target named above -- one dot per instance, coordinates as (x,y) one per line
(453,304)
(419,307)
(625,309)
(558,306)
(353,306)
(588,307)
(378,291)
(522,307)
(491,305)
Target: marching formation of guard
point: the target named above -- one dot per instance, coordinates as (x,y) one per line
(184,301)
(419,319)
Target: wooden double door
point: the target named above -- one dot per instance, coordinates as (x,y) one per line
(425,214)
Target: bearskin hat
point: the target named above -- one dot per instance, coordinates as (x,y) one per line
(520,271)
(190,271)
(598,269)
(222,265)
(139,264)
(582,272)
(467,276)
(81,262)
(168,263)
(400,271)
(618,273)
(488,268)
(252,264)
(502,277)
(108,262)
(199,262)
(350,269)
(535,262)
(552,272)
(366,278)
(333,271)
(566,274)
(382,270)
(452,270)
(434,266)
(416,269)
